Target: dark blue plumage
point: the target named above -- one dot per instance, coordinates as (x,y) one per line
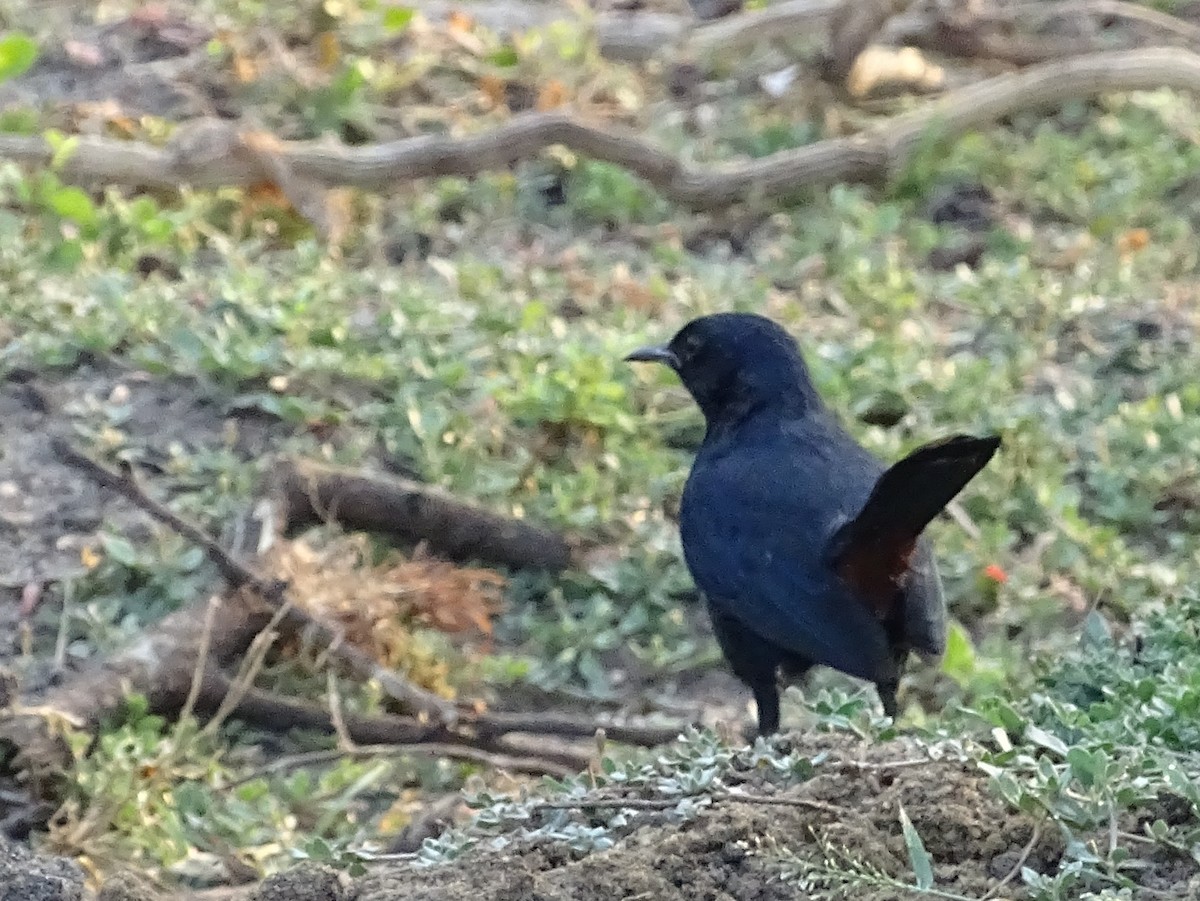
(806,549)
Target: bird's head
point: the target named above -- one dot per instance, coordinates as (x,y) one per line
(735,363)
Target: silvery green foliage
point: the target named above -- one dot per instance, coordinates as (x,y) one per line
(1107,737)
(688,773)
(1108,740)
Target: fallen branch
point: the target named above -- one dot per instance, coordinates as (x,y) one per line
(276,713)
(1120,9)
(641,36)
(993,33)
(126,484)
(270,711)
(416,513)
(867,156)
(424,705)
(638,37)
(972,38)
(410,697)
(497,723)
(158,664)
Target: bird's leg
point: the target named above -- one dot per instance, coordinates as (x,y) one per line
(793,671)
(887,696)
(766,698)
(754,661)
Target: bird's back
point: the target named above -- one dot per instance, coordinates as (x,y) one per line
(759,509)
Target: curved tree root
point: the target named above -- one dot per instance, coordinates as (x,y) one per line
(868,156)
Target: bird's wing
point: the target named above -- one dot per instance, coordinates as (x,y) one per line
(754,529)
(874,552)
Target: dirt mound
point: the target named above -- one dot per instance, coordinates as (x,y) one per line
(845,818)
(742,850)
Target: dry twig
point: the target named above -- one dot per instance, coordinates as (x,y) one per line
(716,798)
(530,765)
(410,697)
(177,663)
(1016,867)
(638,37)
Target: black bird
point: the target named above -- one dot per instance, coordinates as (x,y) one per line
(807,549)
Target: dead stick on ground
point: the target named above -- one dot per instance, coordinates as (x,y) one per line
(158,663)
(499,722)
(668,803)
(1117,8)
(267,710)
(252,662)
(127,486)
(189,704)
(535,766)
(409,696)
(637,37)
(415,512)
(345,740)
(867,156)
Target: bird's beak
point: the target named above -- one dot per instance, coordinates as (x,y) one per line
(654,355)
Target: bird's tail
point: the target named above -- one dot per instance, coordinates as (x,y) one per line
(872,552)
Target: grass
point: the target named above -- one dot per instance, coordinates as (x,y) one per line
(493,368)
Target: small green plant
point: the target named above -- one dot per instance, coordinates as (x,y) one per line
(1111,736)
(159,794)
(610,195)
(18,52)
(128,588)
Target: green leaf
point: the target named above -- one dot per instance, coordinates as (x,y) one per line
(18,120)
(119,549)
(191,559)
(318,849)
(1182,783)
(17,53)
(505,57)
(74,204)
(1083,765)
(1096,631)
(62,147)
(397,18)
(65,256)
(918,857)
(959,660)
(1044,739)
